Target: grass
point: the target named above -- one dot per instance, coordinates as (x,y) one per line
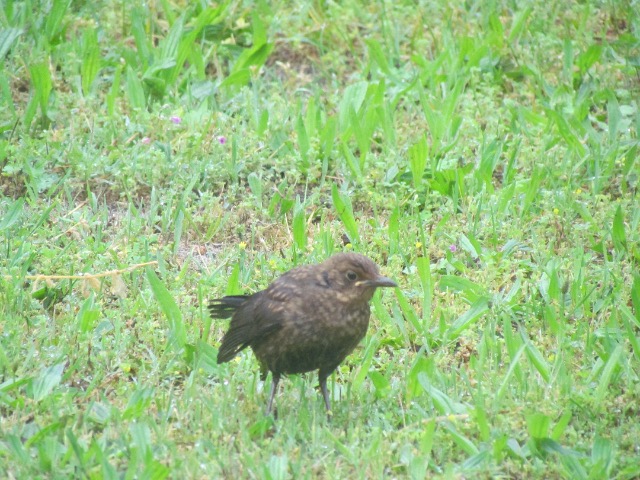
(156,155)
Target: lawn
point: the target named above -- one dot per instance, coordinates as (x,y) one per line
(157,155)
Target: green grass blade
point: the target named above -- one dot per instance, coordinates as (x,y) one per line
(424,272)
(42,84)
(617,232)
(177,332)
(409,313)
(418,154)
(299,227)
(303,143)
(352,162)
(135,90)
(12,215)
(342,205)
(610,367)
(53,25)
(49,378)
(538,362)
(233,283)
(464,321)
(515,359)
(7,37)
(352,100)
(91,61)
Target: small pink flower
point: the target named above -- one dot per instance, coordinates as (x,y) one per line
(145,140)
(177,120)
(452,248)
(222,140)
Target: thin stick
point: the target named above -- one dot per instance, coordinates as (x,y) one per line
(86,275)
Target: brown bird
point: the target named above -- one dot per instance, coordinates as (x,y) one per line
(310,318)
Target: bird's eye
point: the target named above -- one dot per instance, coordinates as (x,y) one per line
(352,275)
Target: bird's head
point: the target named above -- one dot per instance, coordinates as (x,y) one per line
(354,277)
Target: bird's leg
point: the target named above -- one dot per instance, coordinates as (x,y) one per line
(322,378)
(274,386)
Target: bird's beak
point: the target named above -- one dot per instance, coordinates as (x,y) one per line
(379,281)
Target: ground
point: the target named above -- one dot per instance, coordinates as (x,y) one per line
(156,155)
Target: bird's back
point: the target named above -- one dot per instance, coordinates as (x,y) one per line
(316,332)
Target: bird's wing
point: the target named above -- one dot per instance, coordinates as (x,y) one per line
(256,317)
(253,319)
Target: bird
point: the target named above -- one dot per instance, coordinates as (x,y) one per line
(310,318)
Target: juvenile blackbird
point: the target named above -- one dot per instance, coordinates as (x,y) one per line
(310,318)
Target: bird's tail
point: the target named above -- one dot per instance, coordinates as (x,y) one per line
(236,338)
(225,307)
